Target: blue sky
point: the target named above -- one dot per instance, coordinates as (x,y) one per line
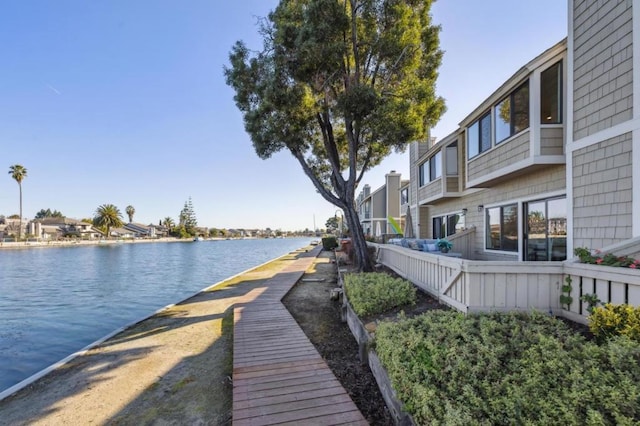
(124,102)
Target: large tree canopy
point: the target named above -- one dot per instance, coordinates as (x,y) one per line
(340,84)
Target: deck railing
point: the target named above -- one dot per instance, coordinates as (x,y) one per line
(463,242)
(473,286)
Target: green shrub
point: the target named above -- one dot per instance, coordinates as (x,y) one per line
(615,320)
(329,242)
(512,368)
(374,293)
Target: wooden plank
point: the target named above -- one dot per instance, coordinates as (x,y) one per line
(617,293)
(287,406)
(326,411)
(278,375)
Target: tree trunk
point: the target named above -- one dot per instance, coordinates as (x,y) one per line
(361,252)
(20,225)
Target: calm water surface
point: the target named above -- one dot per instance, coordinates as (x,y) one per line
(55,301)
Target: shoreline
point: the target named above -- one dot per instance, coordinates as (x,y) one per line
(66,360)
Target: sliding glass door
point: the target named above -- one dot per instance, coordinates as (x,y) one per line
(545,236)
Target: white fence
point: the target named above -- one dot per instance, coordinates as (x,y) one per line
(610,284)
(473,286)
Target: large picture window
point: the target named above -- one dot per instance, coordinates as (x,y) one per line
(479,136)
(502,228)
(551,95)
(512,114)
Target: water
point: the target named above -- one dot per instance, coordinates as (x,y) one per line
(55,301)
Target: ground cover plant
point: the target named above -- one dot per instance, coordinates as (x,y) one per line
(374,293)
(512,368)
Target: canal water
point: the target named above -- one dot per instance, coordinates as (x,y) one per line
(55,301)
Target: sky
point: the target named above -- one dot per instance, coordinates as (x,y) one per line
(125,102)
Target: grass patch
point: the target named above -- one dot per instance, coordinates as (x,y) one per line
(375,293)
(512,368)
(182,383)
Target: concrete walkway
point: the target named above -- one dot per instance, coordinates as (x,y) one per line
(278,376)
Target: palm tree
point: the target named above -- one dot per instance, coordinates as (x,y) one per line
(108,216)
(130,212)
(169,223)
(18,173)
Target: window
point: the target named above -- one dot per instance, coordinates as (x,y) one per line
(431,169)
(424,173)
(439,230)
(479,136)
(435,166)
(443,226)
(452,159)
(404,196)
(512,114)
(545,235)
(551,95)
(502,228)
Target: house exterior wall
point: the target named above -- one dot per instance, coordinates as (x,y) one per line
(602,192)
(552,141)
(506,153)
(541,184)
(603,146)
(602,65)
(430,190)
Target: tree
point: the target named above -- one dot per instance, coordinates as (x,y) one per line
(18,173)
(130,211)
(48,213)
(108,216)
(169,223)
(340,85)
(188,219)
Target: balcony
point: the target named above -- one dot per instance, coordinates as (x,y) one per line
(518,155)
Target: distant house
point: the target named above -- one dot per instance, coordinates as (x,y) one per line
(377,208)
(141,231)
(122,233)
(62,227)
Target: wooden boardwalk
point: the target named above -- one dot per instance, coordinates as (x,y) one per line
(278,376)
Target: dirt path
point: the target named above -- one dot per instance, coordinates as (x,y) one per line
(171,369)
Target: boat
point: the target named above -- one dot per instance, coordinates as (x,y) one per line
(198,239)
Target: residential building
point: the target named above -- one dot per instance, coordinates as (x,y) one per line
(378,210)
(502,172)
(548,163)
(62,227)
(141,231)
(545,164)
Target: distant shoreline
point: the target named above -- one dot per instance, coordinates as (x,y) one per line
(23,245)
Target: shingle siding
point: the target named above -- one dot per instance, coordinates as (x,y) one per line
(602,193)
(503,155)
(603,77)
(552,141)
